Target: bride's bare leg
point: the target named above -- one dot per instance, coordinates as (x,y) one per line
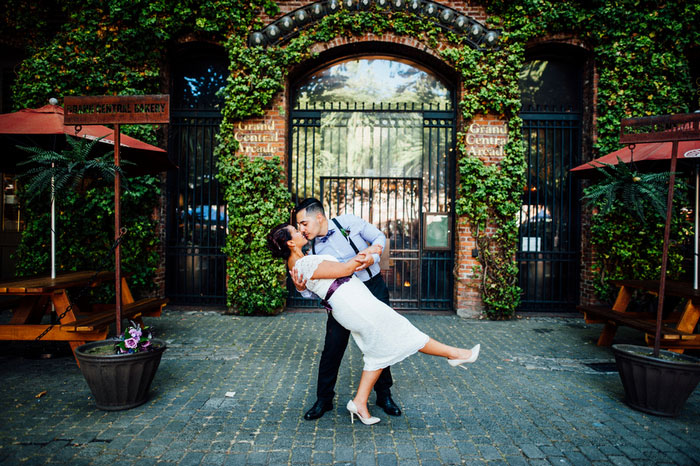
(367,381)
(435,348)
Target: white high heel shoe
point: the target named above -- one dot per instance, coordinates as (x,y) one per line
(368,421)
(472,358)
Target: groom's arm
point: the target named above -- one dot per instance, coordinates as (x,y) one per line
(374,237)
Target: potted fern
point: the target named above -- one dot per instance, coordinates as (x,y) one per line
(623,183)
(659,383)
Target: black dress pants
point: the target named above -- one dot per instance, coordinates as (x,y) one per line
(334,348)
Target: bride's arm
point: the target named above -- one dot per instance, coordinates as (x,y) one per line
(330,269)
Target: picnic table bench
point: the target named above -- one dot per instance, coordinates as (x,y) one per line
(75,325)
(677,329)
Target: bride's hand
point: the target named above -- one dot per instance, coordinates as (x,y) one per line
(365,260)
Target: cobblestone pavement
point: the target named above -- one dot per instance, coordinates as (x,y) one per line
(233,390)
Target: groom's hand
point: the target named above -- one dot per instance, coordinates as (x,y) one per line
(299,281)
(365,261)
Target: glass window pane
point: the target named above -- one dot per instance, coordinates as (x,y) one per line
(548,85)
(367,82)
(12,219)
(198,82)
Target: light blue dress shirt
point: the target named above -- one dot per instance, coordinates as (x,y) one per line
(363,234)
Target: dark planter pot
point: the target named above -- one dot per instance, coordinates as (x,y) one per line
(119,381)
(658,386)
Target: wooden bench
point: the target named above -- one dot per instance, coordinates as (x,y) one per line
(150,307)
(671,337)
(677,329)
(38,293)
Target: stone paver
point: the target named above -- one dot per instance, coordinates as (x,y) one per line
(232,390)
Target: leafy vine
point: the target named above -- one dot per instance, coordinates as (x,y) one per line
(640,48)
(490,83)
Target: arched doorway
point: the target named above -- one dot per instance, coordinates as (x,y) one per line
(374,136)
(549,222)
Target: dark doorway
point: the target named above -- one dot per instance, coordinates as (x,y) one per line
(549,226)
(12,221)
(197,222)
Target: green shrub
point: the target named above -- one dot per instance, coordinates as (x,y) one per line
(85,233)
(257,201)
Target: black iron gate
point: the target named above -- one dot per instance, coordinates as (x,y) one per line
(197,226)
(196,217)
(393,166)
(548,252)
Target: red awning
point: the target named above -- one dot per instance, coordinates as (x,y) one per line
(48,120)
(646,152)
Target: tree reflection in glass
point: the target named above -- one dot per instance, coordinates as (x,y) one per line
(371,121)
(368,82)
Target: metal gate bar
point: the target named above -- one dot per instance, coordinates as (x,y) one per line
(195,265)
(348,145)
(549,220)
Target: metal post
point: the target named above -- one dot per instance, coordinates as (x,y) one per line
(53,228)
(117,228)
(697,222)
(664,257)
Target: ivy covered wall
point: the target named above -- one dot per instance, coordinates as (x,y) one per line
(640,50)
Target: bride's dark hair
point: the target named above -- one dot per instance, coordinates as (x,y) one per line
(277,241)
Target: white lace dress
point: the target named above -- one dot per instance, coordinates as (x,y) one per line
(384,336)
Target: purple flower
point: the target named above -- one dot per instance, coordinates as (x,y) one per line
(135,332)
(145,344)
(131,342)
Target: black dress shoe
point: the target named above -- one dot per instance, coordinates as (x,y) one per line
(318,409)
(388,405)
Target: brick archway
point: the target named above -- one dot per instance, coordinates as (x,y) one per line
(268,136)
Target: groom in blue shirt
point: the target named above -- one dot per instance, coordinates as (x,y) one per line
(342,240)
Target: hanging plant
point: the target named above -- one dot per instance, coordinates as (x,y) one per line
(77,167)
(632,188)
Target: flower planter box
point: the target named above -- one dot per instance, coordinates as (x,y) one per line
(118,381)
(658,386)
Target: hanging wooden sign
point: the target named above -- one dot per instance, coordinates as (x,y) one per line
(112,109)
(665,128)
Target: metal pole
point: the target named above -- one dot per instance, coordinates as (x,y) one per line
(664,257)
(117,228)
(697,221)
(53,227)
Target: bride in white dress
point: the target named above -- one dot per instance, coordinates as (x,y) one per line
(384,336)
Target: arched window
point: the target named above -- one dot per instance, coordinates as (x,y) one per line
(369,82)
(199,75)
(370,121)
(551,84)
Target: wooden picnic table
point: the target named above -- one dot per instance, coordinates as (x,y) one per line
(74,325)
(678,330)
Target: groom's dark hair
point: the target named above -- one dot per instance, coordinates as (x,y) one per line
(311,205)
